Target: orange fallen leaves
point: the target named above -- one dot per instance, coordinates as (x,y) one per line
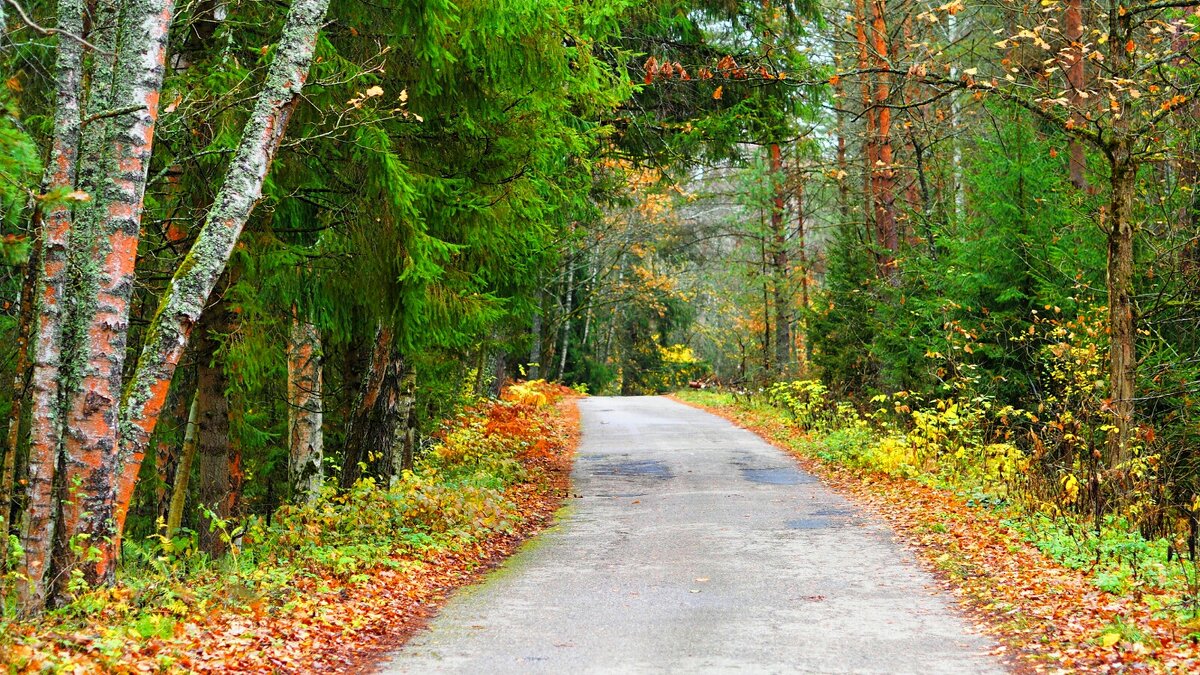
(326,624)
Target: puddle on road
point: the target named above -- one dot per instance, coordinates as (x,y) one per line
(647,468)
(752,470)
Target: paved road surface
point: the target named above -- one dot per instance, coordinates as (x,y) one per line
(694,546)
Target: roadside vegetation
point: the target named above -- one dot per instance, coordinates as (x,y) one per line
(320,585)
(1058,587)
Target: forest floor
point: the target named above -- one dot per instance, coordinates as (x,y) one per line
(317,619)
(1047,617)
(693,546)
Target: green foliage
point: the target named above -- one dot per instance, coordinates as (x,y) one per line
(811,406)
(20,169)
(966,311)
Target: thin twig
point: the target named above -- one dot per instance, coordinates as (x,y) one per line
(116,112)
(53,31)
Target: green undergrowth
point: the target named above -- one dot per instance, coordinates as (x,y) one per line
(946,449)
(455,497)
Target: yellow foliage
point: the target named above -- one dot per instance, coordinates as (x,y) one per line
(527,393)
(680,354)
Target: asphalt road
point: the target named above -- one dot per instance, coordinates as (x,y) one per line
(694,546)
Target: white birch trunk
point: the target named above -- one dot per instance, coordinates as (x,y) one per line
(38,526)
(193,282)
(305,440)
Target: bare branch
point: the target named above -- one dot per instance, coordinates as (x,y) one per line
(32,25)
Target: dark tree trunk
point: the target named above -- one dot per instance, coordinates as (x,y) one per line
(1122,313)
(779,268)
(20,390)
(1076,84)
(376,435)
(213,447)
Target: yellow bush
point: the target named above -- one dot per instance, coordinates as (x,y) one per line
(527,393)
(893,455)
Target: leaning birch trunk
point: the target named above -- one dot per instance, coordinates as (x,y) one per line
(192,283)
(305,440)
(38,526)
(183,469)
(92,410)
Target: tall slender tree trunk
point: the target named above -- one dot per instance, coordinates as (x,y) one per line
(1076,85)
(39,526)
(305,404)
(212,433)
(1121,310)
(405,438)
(802,254)
(911,92)
(956,194)
(843,173)
(779,266)
(193,282)
(870,155)
(168,447)
(567,307)
(923,182)
(883,174)
(535,352)
(20,389)
(764,271)
(1123,169)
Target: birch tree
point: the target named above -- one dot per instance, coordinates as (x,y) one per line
(39,524)
(306,443)
(189,289)
(85,419)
